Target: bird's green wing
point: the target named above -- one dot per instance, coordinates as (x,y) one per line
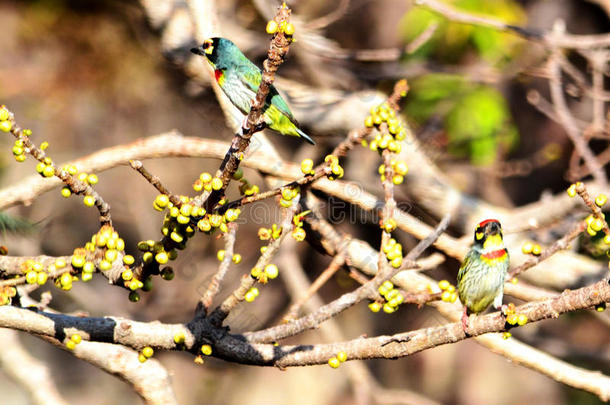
(252,79)
(14,224)
(463,267)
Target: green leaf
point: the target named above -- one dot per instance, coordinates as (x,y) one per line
(479,124)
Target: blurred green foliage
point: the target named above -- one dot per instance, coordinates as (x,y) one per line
(477,119)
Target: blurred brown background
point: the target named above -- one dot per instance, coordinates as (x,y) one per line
(85,75)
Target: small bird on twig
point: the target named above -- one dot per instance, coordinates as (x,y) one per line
(482,273)
(239,79)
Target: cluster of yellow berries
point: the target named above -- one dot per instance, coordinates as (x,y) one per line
(270,233)
(396,132)
(532,248)
(108,240)
(393,252)
(73,341)
(6,294)
(178,223)
(285,27)
(146,353)
(263,275)
(336,360)
(19,149)
(87,178)
(594,225)
(399,168)
(287,195)
(251,294)
(236,258)
(207,182)
(448,291)
(512,317)
(393,298)
(5,123)
(336,171)
(35,273)
(298,233)
(46,168)
(154,251)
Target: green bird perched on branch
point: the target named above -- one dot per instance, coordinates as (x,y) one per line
(481,275)
(239,79)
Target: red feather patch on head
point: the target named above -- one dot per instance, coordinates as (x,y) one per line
(483,223)
(218,74)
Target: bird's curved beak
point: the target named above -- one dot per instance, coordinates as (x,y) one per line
(198,51)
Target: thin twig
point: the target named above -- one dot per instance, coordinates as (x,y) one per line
(214,285)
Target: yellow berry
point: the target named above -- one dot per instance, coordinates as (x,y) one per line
(249,297)
(142,358)
(92,179)
(511,319)
(527,247)
(111,255)
(89,200)
(342,356)
(128,260)
(148,352)
(536,249)
(334,362)
(220,255)
(5,126)
(388,309)
(271,271)
(105,265)
(216,183)
(4,115)
(299,234)
(389,225)
(48,171)
(401,168)
(601,200)
(161,257)
(521,319)
(204,225)
(271,27)
(206,350)
(88,267)
(41,278)
(306,166)
(127,274)
(77,261)
(289,30)
(375,306)
(236,258)
(506,335)
(572,190)
(70,345)
(179,338)
(256,272)
(31,277)
(597,224)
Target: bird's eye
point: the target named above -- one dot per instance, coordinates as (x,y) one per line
(208,47)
